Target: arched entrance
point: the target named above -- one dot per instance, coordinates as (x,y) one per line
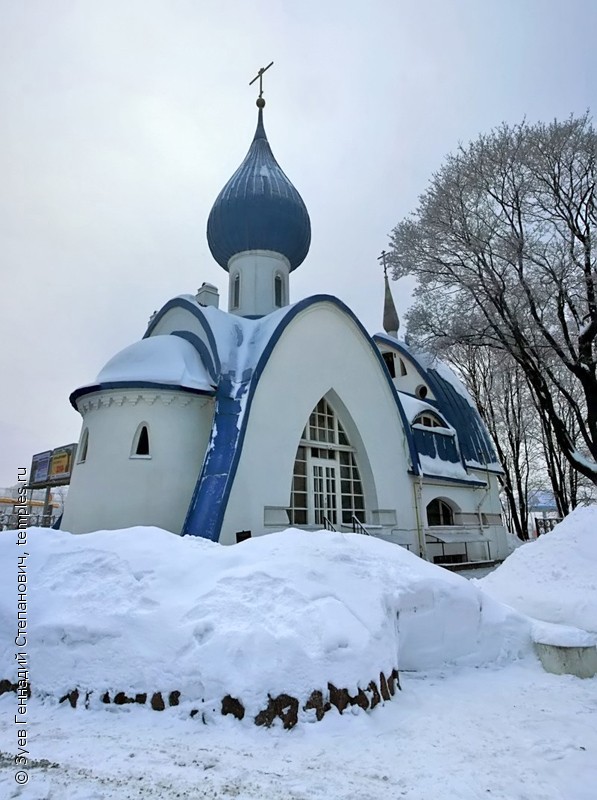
(326,482)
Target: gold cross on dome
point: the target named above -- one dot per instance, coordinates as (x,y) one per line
(260,76)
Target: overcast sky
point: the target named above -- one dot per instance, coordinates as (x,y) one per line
(123,119)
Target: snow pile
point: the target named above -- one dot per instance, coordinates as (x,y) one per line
(553,578)
(142,610)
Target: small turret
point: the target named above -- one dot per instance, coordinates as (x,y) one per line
(391,322)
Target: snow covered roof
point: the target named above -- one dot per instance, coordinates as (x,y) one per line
(413,407)
(169,361)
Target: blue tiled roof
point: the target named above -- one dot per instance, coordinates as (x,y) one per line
(473,437)
(259,209)
(436,445)
(475,444)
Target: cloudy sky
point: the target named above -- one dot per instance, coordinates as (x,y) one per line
(122,120)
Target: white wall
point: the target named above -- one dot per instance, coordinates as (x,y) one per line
(257,270)
(413,378)
(321,353)
(469,502)
(111,489)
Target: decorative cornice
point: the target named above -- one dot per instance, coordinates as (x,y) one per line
(131,386)
(120,397)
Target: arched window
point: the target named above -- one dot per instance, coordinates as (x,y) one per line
(388,357)
(439,513)
(236,291)
(83,447)
(326,480)
(429,420)
(140,448)
(278,292)
(402,367)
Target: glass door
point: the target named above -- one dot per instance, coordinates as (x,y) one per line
(325,502)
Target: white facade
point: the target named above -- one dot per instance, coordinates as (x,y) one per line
(319,355)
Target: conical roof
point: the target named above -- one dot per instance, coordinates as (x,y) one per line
(259,209)
(391,323)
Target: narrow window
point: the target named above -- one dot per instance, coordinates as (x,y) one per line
(83,447)
(278,291)
(236,291)
(140,448)
(390,363)
(143,443)
(402,367)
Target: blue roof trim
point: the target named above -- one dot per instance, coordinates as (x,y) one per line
(182,302)
(473,438)
(101,387)
(206,510)
(201,348)
(214,483)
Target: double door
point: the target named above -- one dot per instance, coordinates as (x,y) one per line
(325,491)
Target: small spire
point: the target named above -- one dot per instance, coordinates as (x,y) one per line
(391,322)
(260,130)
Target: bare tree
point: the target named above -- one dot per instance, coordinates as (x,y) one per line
(504,236)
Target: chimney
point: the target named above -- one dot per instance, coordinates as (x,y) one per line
(208,295)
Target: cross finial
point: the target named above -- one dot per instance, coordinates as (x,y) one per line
(260,100)
(382,258)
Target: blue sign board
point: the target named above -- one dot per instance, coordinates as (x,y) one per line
(40,469)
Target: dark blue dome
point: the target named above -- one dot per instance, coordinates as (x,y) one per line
(259,209)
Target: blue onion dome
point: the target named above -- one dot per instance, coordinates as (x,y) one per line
(259,209)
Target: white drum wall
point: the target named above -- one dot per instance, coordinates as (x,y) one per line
(112,490)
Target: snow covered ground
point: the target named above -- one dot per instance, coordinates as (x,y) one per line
(514,733)
(141,610)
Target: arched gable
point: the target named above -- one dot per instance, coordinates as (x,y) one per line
(318,349)
(183,317)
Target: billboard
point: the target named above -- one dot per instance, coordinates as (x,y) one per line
(53,467)
(61,464)
(40,469)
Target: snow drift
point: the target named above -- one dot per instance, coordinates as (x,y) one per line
(143,610)
(555,577)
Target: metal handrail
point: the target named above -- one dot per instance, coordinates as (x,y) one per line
(358,527)
(328,525)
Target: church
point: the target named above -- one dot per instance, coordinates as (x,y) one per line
(232,424)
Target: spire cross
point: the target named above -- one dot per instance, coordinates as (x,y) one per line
(260,76)
(382,258)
